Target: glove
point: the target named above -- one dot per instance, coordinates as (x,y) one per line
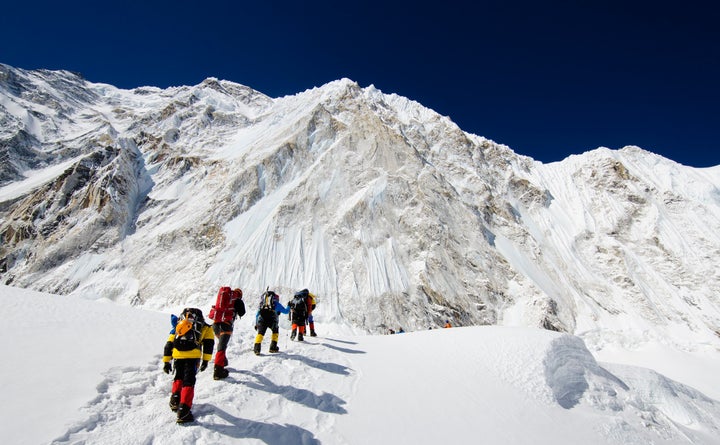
(167,367)
(256,327)
(203,366)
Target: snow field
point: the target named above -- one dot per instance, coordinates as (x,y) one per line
(92,374)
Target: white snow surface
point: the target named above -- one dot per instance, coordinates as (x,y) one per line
(127,205)
(33,179)
(89,372)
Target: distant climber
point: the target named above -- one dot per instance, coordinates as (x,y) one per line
(312,303)
(267,318)
(447,324)
(299,306)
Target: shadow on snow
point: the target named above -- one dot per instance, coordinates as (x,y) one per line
(347,342)
(248,429)
(344,350)
(329,367)
(326,402)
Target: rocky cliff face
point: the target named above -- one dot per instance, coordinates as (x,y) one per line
(391,213)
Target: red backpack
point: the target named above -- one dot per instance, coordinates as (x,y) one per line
(223,311)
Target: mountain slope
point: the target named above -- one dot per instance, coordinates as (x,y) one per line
(388,211)
(500,384)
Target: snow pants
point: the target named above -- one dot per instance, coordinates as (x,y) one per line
(265,322)
(184,382)
(223,332)
(311,323)
(298,323)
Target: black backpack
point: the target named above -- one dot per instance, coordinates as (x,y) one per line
(188,331)
(267,301)
(299,304)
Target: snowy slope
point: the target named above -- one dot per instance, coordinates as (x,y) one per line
(151,197)
(65,352)
(80,382)
(388,211)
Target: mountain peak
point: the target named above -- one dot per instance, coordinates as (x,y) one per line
(388,211)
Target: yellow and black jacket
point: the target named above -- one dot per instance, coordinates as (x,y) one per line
(207,342)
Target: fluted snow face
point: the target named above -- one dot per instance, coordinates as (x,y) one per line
(386,210)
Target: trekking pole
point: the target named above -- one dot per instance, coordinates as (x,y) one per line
(286,338)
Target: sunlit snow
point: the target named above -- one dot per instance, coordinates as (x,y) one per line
(394,217)
(90,372)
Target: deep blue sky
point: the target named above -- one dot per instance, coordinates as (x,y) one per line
(548,79)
